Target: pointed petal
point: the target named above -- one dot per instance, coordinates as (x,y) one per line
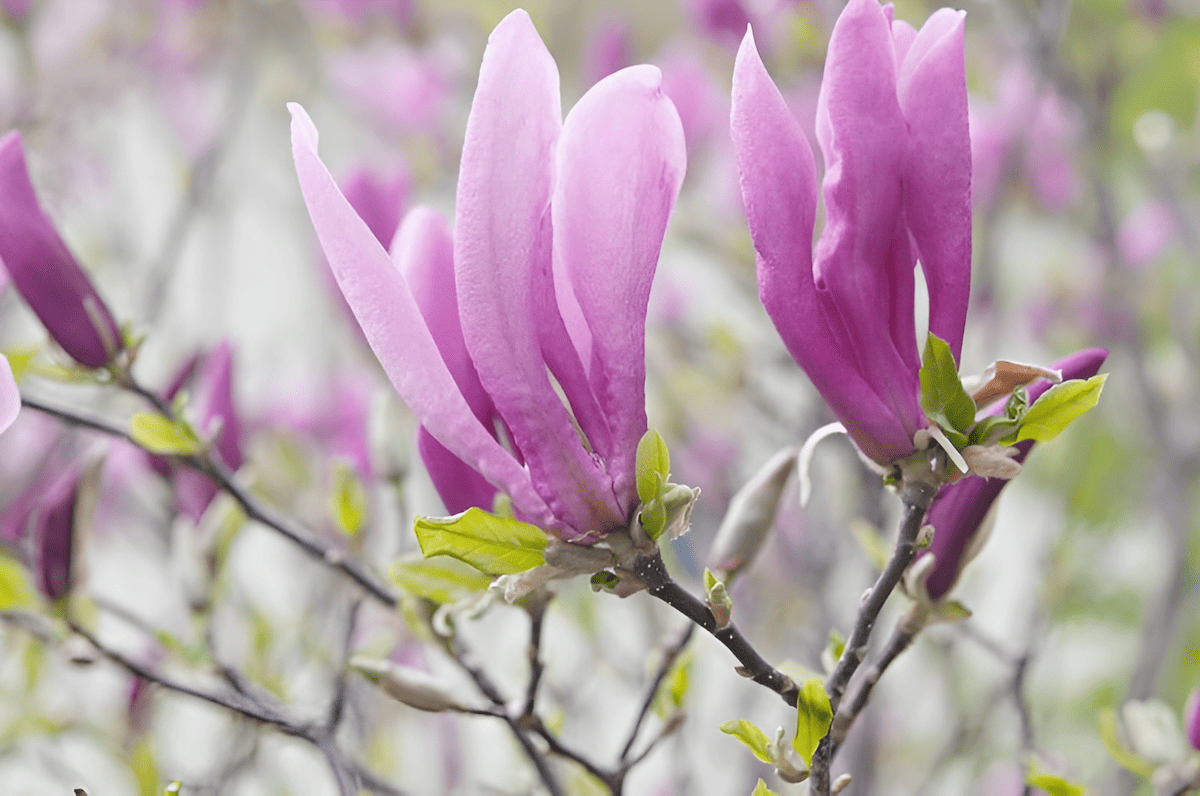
(54,534)
(863,136)
(779,187)
(10,398)
(937,186)
(389,317)
(620,164)
(501,248)
(44,270)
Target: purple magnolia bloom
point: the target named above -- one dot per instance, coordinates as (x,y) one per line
(1192,719)
(10,398)
(44,511)
(44,270)
(960,509)
(558,231)
(892,124)
(211,402)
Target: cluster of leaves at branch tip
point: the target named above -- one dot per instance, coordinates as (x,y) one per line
(952,411)
(814,716)
(1147,738)
(665,506)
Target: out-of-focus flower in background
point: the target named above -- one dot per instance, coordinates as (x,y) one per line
(44,270)
(571,301)
(892,123)
(1146,232)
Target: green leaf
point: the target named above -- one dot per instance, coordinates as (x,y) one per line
(159,434)
(837,644)
(1055,786)
(604,580)
(754,738)
(347,499)
(491,544)
(942,393)
(19,360)
(1060,406)
(653,515)
(653,464)
(15,591)
(677,680)
(1111,738)
(141,761)
(443,580)
(814,715)
(761,789)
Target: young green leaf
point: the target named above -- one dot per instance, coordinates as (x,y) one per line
(1055,786)
(1111,738)
(442,580)
(491,544)
(652,460)
(15,591)
(814,715)
(942,393)
(754,738)
(761,789)
(158,434)
(1060,406)
(347,499)
(19,360)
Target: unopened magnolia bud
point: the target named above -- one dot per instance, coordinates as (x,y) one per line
(678,500)
(413,687)
(751,516)
(1191,719)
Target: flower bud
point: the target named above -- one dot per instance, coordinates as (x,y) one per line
(413,687)
(44,270)
(750,517)
(1191,719)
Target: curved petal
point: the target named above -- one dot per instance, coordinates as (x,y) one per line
(862,133)
(779,188)
(937,185)
(44,270)
(10,398)
(459,486)
(501,247)
(621,161)
(389,317)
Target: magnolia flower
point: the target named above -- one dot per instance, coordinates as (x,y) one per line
(892,124)
(548,271)
(960,514)
(44,513)
(44,270)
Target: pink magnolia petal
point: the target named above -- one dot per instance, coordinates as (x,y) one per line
(44,270)
(779,187)
(10,398)
(937,186)
(502,251)
(620,164)
(378,199)
(864,138)
(459,486)
(392,323)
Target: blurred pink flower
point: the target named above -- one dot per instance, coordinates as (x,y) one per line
(398,87)
(1146,232)
(1191,719)
(703,107)
(721,20)
(607,50)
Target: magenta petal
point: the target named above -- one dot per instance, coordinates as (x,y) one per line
(53,534)
(10,398)
(44,270)
(779,187)
(937,186)
(378,199)
(502,251)
(212,402)
(456,483)
(864,138)
(621,161)
(393,325)
(1192,719)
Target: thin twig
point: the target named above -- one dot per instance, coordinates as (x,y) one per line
(651,570)
(670,655)
(536,608)
(900,640)
(916,497)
